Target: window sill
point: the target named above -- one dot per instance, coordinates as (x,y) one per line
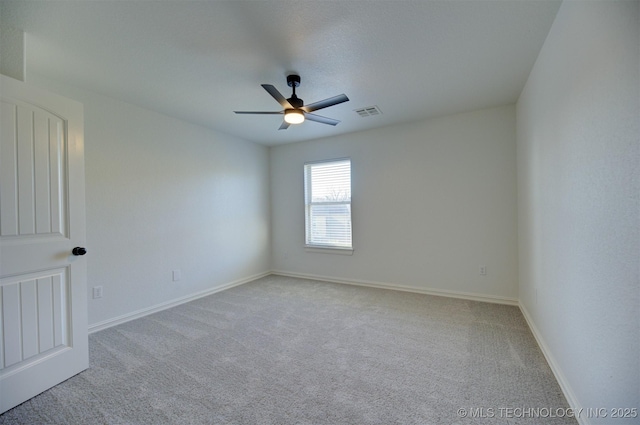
(328,250)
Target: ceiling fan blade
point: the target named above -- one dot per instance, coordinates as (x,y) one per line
(284,125)
(259,112)
(323,120)
(277,95)
(326,103)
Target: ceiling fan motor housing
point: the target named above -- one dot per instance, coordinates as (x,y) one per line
(295,101)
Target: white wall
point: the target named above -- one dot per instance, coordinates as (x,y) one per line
(163,194)
(578,122)
(12,52)
(432,201)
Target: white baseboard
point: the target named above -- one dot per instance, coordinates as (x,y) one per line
(427,291)
(168,304)
(555,368)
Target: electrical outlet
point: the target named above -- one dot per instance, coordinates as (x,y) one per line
(177,275)
(483,270)
(97,292)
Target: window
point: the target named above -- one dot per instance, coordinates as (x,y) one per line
(327,197)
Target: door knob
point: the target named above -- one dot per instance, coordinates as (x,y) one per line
(79,250)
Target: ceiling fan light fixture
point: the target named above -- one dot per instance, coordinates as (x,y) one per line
(293,116)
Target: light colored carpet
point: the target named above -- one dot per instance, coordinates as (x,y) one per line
(290,351)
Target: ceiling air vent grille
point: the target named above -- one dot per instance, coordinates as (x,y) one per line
(369,111)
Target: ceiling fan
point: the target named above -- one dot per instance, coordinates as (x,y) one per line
(295,111)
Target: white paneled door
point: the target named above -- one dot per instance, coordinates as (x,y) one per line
(43,303)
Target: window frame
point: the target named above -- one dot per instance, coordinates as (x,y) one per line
(307,185)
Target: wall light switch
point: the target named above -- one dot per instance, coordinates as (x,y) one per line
(177,275)
(483,270)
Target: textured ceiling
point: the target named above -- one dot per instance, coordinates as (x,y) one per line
(201,60)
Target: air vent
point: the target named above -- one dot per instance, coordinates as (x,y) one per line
(369,111)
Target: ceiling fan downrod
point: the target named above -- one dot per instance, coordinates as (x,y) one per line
(293,81)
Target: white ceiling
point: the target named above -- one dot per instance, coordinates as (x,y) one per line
(201,60)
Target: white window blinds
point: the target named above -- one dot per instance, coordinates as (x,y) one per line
(327,194)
